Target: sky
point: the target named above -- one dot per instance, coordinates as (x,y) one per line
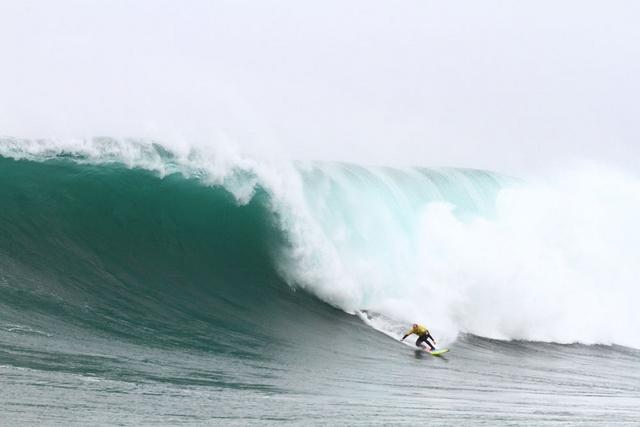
(501,85)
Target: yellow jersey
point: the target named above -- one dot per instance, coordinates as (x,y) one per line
(418,330)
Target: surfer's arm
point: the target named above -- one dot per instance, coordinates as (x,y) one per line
(407,334)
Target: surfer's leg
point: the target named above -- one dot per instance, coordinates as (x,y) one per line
(423,339)
(426,339)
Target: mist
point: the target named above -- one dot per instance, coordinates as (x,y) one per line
(508,86)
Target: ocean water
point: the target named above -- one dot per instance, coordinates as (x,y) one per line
(148,285)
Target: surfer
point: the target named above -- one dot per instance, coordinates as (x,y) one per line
(423,336)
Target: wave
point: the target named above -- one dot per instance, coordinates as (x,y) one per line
(120,234)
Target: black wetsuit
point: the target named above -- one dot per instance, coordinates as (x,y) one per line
(424,338)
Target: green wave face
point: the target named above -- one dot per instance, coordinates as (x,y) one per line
(126,253)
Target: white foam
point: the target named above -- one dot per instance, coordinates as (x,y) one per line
(557,261)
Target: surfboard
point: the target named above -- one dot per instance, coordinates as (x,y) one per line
(438,352)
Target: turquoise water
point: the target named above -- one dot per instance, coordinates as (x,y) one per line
(129,297)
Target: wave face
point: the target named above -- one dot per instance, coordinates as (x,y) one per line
(125,253)
(204,248)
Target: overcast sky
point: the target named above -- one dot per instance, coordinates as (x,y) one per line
(503,85)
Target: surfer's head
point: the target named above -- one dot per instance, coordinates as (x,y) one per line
(415,325)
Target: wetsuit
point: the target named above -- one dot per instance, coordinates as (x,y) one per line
(423,336)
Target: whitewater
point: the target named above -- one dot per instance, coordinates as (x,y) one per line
(203,273)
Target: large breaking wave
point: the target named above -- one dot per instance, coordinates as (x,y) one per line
(457,249)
